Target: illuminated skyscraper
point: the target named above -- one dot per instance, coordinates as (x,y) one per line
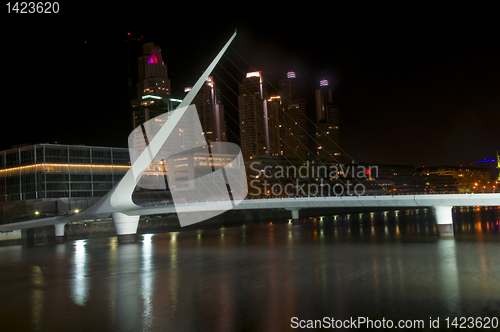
(153,87)
(288,87)
(258,137)
(293,120)
(153,78)
(274,110)
(323,100)
(327,124)
(211,112)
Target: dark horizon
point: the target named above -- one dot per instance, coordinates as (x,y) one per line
(407,93)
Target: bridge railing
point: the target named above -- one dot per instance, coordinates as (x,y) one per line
(270,196)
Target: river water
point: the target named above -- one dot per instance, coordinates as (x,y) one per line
(382,265)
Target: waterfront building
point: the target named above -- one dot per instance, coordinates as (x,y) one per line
(401,179)
(211,112)
(275,111)
(293,120)
(435,184)
(493,164)
(327,123)
(469,179)
(53,171)
(257,136)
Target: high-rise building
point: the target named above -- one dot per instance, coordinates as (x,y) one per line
(257,136)
(288,87)
(327,124)
(211,112)
(324,98)
(153,77)
(274,110)
(153,87)
(293,120)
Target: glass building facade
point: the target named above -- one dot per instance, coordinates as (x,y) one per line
(54,171)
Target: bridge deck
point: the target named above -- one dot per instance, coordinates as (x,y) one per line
(448,200)
(340,201)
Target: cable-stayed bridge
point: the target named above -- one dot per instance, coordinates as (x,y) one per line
(166,142)
(126,221)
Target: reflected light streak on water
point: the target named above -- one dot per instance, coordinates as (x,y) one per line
(173,278)
(37,296)
(147,281)
(449,273)
(79,282)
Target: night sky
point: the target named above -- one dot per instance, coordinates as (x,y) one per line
(417,90)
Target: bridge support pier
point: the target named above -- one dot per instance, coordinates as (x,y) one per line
(444,220)
(59,233)
(295,213)
(126,226)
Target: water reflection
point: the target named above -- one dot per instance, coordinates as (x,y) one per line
(147,278)
(173,275)
(113,277)
(79,284)
(257,277)
(37,296)
(449,273)
(129,296)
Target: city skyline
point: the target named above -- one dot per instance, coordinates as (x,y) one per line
(429,98)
